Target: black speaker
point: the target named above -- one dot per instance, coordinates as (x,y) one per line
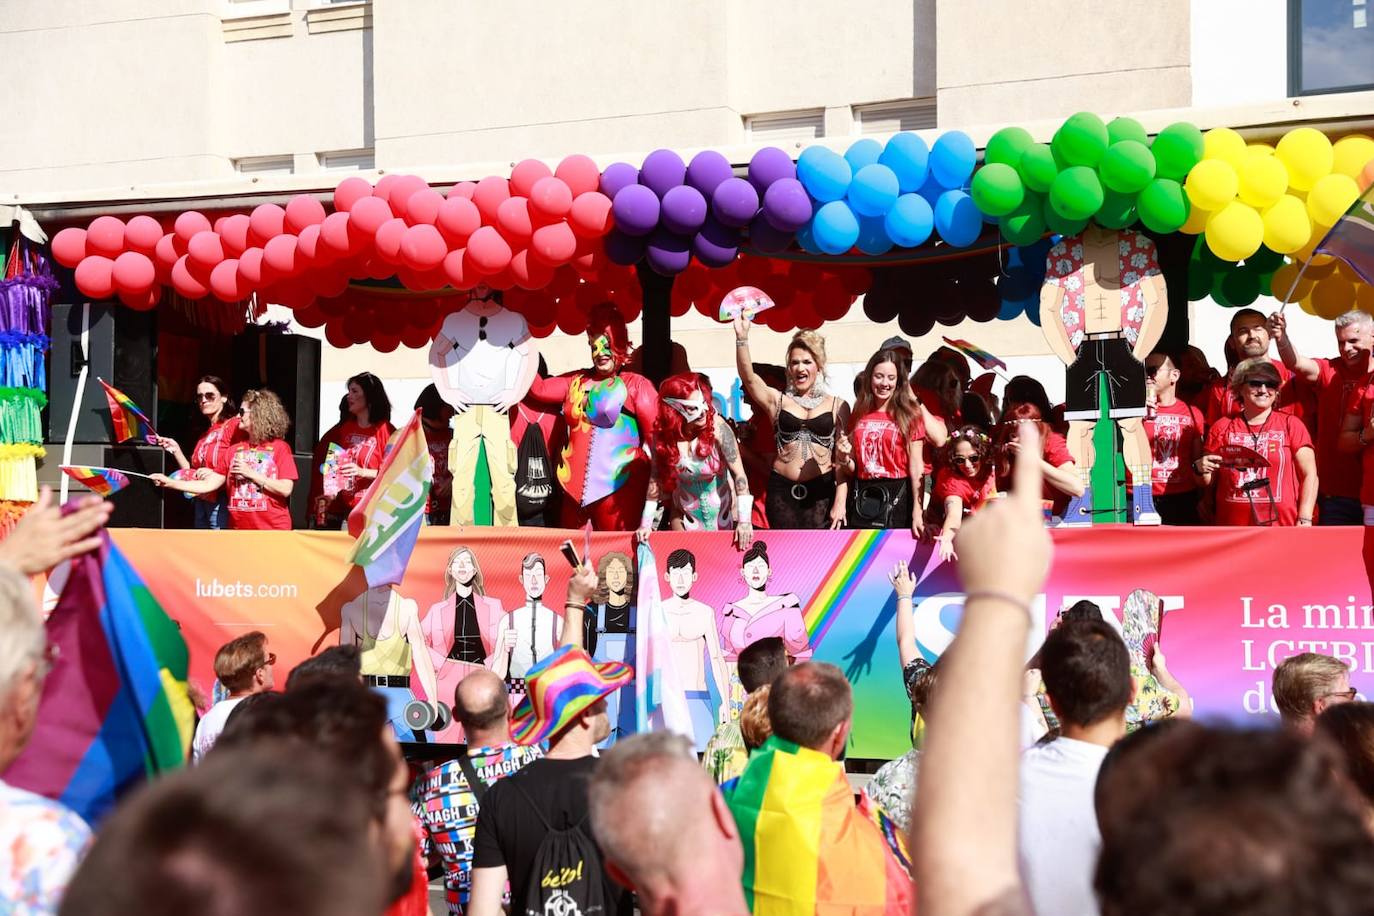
(289,365)
(121,348)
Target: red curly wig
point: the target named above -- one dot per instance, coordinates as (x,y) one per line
(1007,430)
(671,428)
(606,319)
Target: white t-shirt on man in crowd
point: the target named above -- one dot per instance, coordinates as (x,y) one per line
(1059,839)
(208,729)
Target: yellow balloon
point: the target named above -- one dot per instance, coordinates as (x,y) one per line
(1212,184)
(1262,180)
(1364,298)
(1235,232)
(1333,297)
(1196,221)
(1351,154)
(1259,149)
(1287,227)
(1283,281)
(1307,155)
(1305,304)
(1330,197)
(1225,144)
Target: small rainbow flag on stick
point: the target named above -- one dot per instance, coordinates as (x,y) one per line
(103,481)
(983,358)
(129,421)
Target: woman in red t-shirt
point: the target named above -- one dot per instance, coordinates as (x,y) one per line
(1061,474)
(262,470)
(363,430)
(883,449)
(963,485)
(211,451)
(1283,493)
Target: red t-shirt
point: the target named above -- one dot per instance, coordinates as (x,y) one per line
(973,491)
(1173,432)
(367,448)
(441,487)
(1055,451)
(1278,438)
(880,450)
(1219,402)
(214,448)
(1365,406)
(252,508)
(1339,390)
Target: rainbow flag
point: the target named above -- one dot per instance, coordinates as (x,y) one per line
(807,847)
(129,421)
(102,481)
(980,356)
(660,701)
(1352,238)
(387,519)
(114,709)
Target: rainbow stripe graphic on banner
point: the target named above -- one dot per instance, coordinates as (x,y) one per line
(101,481)
(840,582)
(129,421)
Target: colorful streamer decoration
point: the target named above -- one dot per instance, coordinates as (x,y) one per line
(102,481)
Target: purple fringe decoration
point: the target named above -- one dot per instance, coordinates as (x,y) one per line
(25,298)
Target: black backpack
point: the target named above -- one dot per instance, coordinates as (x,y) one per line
(535,482)
(567,878)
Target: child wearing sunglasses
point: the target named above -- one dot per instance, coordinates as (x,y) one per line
(963,484)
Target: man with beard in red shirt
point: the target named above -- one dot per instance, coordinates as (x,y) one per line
(1339,383)
(1249,339)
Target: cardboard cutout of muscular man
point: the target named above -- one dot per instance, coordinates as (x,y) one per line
(1103,307)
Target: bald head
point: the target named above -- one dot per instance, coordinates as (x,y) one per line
(482,706)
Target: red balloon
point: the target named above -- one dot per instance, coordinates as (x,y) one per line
(328,283)
(141,234)
(301,211)
(416,338)
(542,331)
(359,325)
(388,240)
(579,173)
(502,279)
(251,270)
(105,236)
(337,337)
(205,250)
(571,321)
(134,273)
(191,222)
(142,302)
(385,343)
(224,281)
(590,258)
(423,248)
(513,220)
(554,244)
(309,317)
(529,272)
(401,193)
(308,244)
(334,236)
(551,198)
(165,251)
(95,277)
(233,234)
(590,215)
(350,191)
(463,190)
(458,219)
(455,269)
(488,196)
(385,185)
(368,215)
(267,221)
(333,307)
(280,255)
(540,309)
(423,207)
(185,282)
(69,246)
(488,250)
(431,280)
(525,174)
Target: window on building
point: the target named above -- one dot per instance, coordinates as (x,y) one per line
(785,126)
(265,165)
(348,160)
(1331,46)
(894,117)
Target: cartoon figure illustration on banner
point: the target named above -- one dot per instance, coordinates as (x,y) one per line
(483,361)
(386,626)
(609,632)
(697,654)
(759,614)
(1103,307)
(529,632)
(459,632)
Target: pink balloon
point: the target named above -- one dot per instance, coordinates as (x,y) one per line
(389,239)
(191,222)
(334,236)
(554,244)
(233,233)
(301,211)
(105,236)
(166,251)
(280,255)
(350,191)
(368,215)
(250,269)
(309,247)
(224,281)
(455,268)
(590,215)
(525,174)
(458,219)
(133,273)
(423,248)
(95,277)
(385,184)
(141,234)
(185,282)
(422,207)
(142,302)
(488,196)
(463,190)
(69,246)
(579,173)
(513,219)
(205,249)
(488,250)
(529,272)
(551,198)
(403,190)
(267,221)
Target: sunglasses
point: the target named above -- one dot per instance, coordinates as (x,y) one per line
(1257,384)
(271,660)
(965,459)
(207,396)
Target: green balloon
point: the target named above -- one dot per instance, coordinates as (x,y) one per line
(1058,222)
(1117,210)
(1026,224)
(1200,281)
(1076,193)
(1007,145)
(1237,286)
(1163,206)
(1127,129)
(1081,140)
(1177,149)
(1265,261)
(1037,167)
(997,189)
(1266,284)
(1127,167)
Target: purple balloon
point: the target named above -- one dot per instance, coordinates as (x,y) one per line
(662,170)
(684,209)
(617,176)
(624,249)
(786,205)
(707,170)
(735,202)
(667,252)
(716,245)
(766,237)
(770,164)
(636,210)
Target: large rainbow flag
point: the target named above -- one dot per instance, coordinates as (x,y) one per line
(807,847)
(387,519)
(129,421)
(114,709)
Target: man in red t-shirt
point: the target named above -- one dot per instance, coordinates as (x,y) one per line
(1338,384)
(1249,338)
(1175,429)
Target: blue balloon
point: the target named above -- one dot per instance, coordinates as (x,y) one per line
(952,159)
(806,240)
(873,191)
(909,158)
(910,221)
(863,152)
(873,236)
(835,227)
(824,173)
(958,219)
(1013,308)
(931,191)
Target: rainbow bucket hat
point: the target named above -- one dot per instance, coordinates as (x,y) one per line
(559,689)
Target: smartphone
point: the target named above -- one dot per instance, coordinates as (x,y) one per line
(570,554)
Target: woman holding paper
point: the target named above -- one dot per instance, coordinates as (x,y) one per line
(211,453)
(359,440)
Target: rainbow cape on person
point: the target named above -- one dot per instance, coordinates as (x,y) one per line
(129,421)
(807,847)
(387,520)
(114,709)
